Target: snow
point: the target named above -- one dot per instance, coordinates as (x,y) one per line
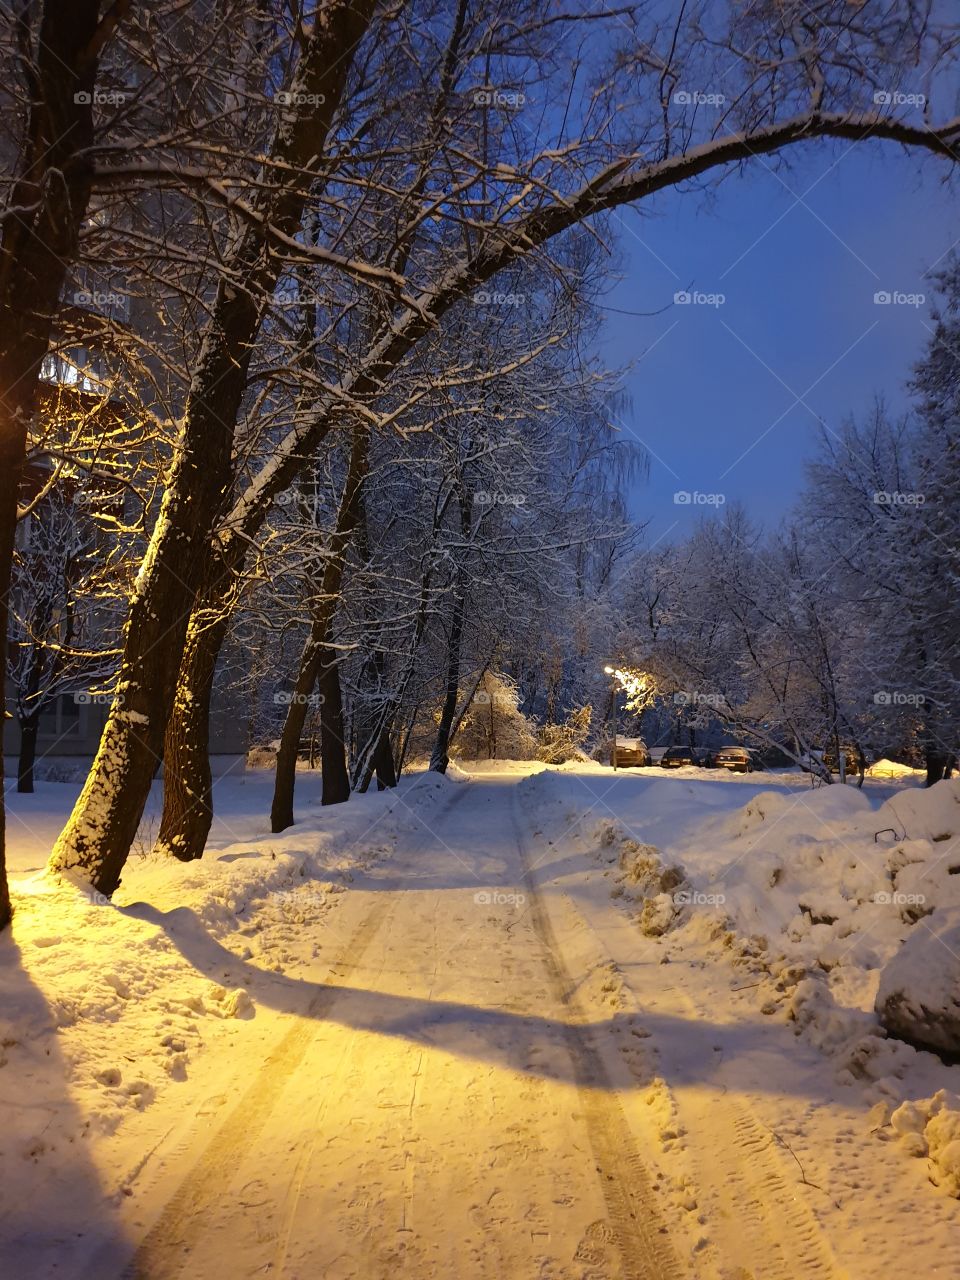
(406,1034)
(919,992)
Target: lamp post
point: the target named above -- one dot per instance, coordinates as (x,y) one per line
(613,711)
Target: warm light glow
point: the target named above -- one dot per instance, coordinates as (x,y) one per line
(640,686)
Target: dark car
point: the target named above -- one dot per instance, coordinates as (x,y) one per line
(676,757)
(629,753)
(736,759)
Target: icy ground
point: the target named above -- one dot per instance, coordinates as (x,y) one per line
(556,1024)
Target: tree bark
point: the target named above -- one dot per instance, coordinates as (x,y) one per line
(187,780)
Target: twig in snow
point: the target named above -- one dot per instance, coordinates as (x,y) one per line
(803,1176)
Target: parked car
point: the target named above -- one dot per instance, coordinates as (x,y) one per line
(676,757)
(736,759)
(629,753)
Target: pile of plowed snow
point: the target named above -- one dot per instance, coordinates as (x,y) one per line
(814,892)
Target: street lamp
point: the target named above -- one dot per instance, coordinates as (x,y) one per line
(611,671)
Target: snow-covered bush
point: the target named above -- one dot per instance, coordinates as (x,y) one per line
(557,743)
(495,727)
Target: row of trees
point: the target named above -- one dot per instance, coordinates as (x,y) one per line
(840,633)
(280,227)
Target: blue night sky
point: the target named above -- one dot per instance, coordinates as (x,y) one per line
(799,313)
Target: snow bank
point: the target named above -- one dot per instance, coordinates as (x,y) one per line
(919,994)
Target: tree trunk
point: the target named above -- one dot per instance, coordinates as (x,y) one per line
(440,758)
(281,810)
(404,745)
(333,748)
(29,729)
(937,763)
(319,660)
(384,763)
(187,780)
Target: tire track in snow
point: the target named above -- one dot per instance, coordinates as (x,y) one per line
(763,1227)
(635,1230)
(760,1220)
(164,1251)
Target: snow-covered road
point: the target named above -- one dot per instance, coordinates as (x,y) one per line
(442,1109)
(467,1060)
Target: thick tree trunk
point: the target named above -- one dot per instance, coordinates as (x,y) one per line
(29,729)
(97,838)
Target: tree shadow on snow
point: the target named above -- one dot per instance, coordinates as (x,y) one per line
(55,1215)
(517,1041)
